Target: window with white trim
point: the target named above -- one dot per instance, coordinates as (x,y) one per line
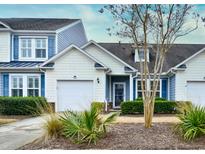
(33,48)
(40,48)
(33,86)
(16,86)
(139,88)
(26,48)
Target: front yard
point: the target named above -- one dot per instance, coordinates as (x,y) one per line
(129,133)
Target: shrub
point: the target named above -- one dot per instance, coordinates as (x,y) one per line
(100,106)
(132,107)
(52,127)
(22,105)
(86,126)
(192,123)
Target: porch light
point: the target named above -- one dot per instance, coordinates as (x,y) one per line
(74,77)
(98,80)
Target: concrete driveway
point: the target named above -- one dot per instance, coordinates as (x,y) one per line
(17,134)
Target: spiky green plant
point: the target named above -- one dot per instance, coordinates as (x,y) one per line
(85,126)
(52,126)
(192,123)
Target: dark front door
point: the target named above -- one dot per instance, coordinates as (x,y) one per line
(118,93)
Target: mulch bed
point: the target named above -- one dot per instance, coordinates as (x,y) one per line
(128,137)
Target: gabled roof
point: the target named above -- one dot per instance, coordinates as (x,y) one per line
(51,24)
(19,65)
(110,53)
(177,54)
(54,58)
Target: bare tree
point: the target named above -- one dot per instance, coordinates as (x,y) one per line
(156,27)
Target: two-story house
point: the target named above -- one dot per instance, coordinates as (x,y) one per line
(54,59)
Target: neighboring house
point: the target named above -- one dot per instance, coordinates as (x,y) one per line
(52,58)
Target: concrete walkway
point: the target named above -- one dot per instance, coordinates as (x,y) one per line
(17,134)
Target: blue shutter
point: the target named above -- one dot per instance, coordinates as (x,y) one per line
(51,46)
(5,84)
(42,84)
(16,48)
(164,88)
(134,89)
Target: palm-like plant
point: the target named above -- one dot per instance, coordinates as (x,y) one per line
(192,123)
(86,126)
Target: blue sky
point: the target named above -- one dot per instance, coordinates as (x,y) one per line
(94,22)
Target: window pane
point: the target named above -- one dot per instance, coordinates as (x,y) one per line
(141,54)
(44,43)
(30,82)
(14,82)
(20,82)
(14,92)
(36,83)
(29,43)
(40,53)
(36,92)
(157,94)
(139,94)
(30,92)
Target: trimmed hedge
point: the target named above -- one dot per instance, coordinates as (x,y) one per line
(22,105)
(99,105)
(137,106)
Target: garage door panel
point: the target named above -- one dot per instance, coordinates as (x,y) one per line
(74,95)
(196,92)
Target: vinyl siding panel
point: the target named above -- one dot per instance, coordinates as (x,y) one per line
(74,63)
(1,84)
(172,87)
(116,66)
(72,35)
(5,46)
(195,71)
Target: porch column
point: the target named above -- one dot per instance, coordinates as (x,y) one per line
(131,87)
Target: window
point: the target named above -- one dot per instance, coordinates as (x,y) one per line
(139,88)
(33,48)
(17,86)
(141,54)
(40,48)
(33,86)
(26,48)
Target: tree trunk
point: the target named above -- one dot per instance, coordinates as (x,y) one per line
(148,113)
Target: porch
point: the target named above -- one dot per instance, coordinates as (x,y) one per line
(119,88)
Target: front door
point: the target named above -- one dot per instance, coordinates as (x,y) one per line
(118,93)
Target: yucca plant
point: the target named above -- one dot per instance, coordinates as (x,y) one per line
(192,123)
(85,126)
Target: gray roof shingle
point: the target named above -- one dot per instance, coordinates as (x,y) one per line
(51,24)
(177,54)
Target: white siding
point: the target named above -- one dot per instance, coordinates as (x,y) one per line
(4,46)
(116,66)
(74,63)
(195,71)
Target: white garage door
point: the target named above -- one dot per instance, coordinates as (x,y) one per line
(74,95)
(196,92)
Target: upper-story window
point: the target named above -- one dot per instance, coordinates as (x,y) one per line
(140,55)
(33,48)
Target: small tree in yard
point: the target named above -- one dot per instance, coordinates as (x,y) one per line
(148,24)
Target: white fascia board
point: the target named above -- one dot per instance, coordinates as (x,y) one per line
(95,43)
(68,26)
(67,50)
(8,28)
